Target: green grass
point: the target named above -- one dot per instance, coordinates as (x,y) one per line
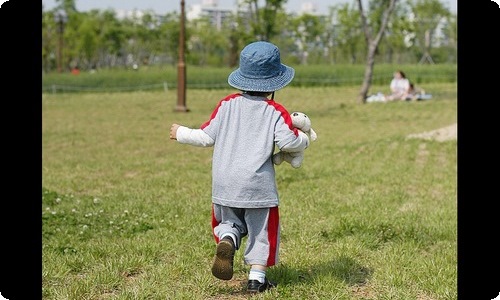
(369,215)
(153,78)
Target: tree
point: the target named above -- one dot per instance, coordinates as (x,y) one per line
(87,43)
(68,5)
(111,38)
(71,36)
(398,37)
(233,45)
(49,41)
(348,33)
(428,14)
(449,45)
(147,35)
(263,21)
(98,39)
(171,29)
(373,42)
(307,29)
(208,44)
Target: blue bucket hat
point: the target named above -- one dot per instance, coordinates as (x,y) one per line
(260,69)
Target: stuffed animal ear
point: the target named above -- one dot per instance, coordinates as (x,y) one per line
(313,134)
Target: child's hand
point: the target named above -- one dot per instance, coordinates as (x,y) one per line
(173,131)
(304,136)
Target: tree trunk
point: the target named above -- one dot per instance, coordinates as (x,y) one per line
(372,43)
(367,79)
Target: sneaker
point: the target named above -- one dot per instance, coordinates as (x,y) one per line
(222,266)
(254,286)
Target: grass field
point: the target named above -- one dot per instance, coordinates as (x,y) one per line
(369,215)
(156,78)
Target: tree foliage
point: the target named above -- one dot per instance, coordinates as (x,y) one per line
(101,39)
(427,16)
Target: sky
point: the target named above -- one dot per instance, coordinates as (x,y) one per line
(166,6)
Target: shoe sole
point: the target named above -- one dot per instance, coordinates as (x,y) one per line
(222,266)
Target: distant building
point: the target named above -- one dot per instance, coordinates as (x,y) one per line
(308,8)
(129,14)
(209,9)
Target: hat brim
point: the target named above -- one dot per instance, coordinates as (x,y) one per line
(242,83)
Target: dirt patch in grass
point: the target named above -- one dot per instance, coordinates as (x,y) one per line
(442,134)
(363,292)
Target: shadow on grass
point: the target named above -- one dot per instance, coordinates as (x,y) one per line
(343,268)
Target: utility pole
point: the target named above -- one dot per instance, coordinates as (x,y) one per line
(181,67)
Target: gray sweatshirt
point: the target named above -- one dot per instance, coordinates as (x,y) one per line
(244,131)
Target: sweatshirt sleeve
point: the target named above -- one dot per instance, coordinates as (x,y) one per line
(194,137)
(298,144)
(287,137)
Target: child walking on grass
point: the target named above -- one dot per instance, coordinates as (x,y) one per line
(244,129)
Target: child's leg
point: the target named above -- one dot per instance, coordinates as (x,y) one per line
(262,246)
(257,272)
(228,229)
(228,221)
(263,236)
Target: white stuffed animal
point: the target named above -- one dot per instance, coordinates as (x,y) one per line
(302,122)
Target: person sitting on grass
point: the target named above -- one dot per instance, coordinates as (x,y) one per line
(416,94)
(399,86)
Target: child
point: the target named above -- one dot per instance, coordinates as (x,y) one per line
(415,94)
(244,129)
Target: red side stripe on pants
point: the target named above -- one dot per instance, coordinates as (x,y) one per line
(214,224)
(272,231)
